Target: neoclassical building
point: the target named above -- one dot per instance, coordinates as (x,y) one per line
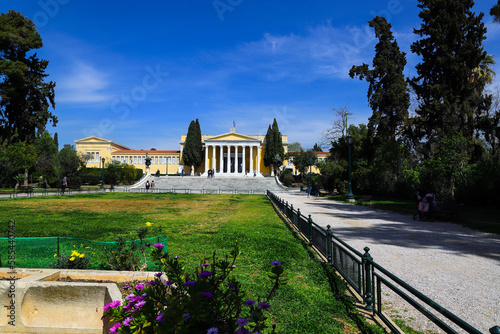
(230,154)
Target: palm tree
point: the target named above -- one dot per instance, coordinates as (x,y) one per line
(484,73)
(495,12)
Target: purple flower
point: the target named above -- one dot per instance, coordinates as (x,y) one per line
(125,287)
(242,331)
(148,244)
(186,316)
(159,246)
(207,294)
(130,296)
(176,257)
(139,287)
(138,306)
(213,330)
(114,304)
(275,263)
(205,274)
(127,321)
(164,256)
(160,318)
(206,265)
(242,322)
(189,283)
(168,282)
(233,266)
(158,275)
(264,305)
(249,303)
(114,329)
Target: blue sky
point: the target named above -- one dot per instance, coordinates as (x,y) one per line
(137,72)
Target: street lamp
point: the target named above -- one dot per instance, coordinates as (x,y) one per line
(102,173)
(349,141)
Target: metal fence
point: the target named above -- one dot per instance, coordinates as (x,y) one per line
(367,277)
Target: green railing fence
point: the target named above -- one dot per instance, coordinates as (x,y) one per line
(42,252)
(367,277)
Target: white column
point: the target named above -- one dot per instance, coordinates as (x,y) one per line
(251,160)
(227,157)
(206,158)
(230,163)
(244,170)
(258,160)
(213,157)
(221,147)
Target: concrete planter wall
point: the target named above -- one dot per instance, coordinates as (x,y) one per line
(35,303)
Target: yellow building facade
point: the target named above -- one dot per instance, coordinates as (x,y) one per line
(230,154)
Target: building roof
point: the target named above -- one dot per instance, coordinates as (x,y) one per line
(145,151)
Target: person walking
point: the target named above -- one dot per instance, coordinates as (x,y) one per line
(64,184)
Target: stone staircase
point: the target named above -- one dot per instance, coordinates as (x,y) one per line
(200,184)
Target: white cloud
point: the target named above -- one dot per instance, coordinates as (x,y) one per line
(83,84)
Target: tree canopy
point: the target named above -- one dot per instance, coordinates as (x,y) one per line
(25,97)
(451,49)
(495,12)
(192,154)
(387,93)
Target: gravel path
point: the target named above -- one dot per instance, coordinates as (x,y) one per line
(457,267)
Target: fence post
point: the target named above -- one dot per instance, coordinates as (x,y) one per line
(297,219)
(368,279)
(329,245)
(290,216)
(310,223)
(58,247)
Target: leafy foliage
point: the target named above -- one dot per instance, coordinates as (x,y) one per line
(25,97)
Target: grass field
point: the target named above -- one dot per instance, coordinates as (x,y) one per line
(197,225)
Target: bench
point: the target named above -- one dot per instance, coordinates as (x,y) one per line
(25,189)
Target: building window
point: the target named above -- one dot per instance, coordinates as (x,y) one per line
(97,157)
(156,160)
(135,160)
(161,160)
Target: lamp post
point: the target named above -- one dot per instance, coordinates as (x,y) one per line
(102,174)
(350,197)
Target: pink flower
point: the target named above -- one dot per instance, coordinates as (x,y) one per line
(114,304)
(114,329)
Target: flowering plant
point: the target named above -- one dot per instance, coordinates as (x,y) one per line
(76,260)
(209,300)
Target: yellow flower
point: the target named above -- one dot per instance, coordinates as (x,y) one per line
(149,224)
(87,247)
(72,259)
(82,255)
(55,255)
(75,253)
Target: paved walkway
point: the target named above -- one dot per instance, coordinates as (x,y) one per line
(457,267)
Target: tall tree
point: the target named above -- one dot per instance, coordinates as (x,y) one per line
(192,154)
(450,48)
(295,147)
(25,97)
(274,153)
(339,127)
(495,12)
(387,93)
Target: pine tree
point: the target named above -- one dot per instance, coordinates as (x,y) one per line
(387,93)
(25,97)
(451,49)
(192,154)
(268,160)
(274,153)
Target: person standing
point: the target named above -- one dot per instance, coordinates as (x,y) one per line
(64,185)
(147,185)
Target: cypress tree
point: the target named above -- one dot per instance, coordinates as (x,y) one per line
(267,153)
(450,48)
(192,154)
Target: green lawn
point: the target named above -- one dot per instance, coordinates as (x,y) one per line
(197,225)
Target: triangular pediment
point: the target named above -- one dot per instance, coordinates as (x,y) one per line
(93,139)
(231,136)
